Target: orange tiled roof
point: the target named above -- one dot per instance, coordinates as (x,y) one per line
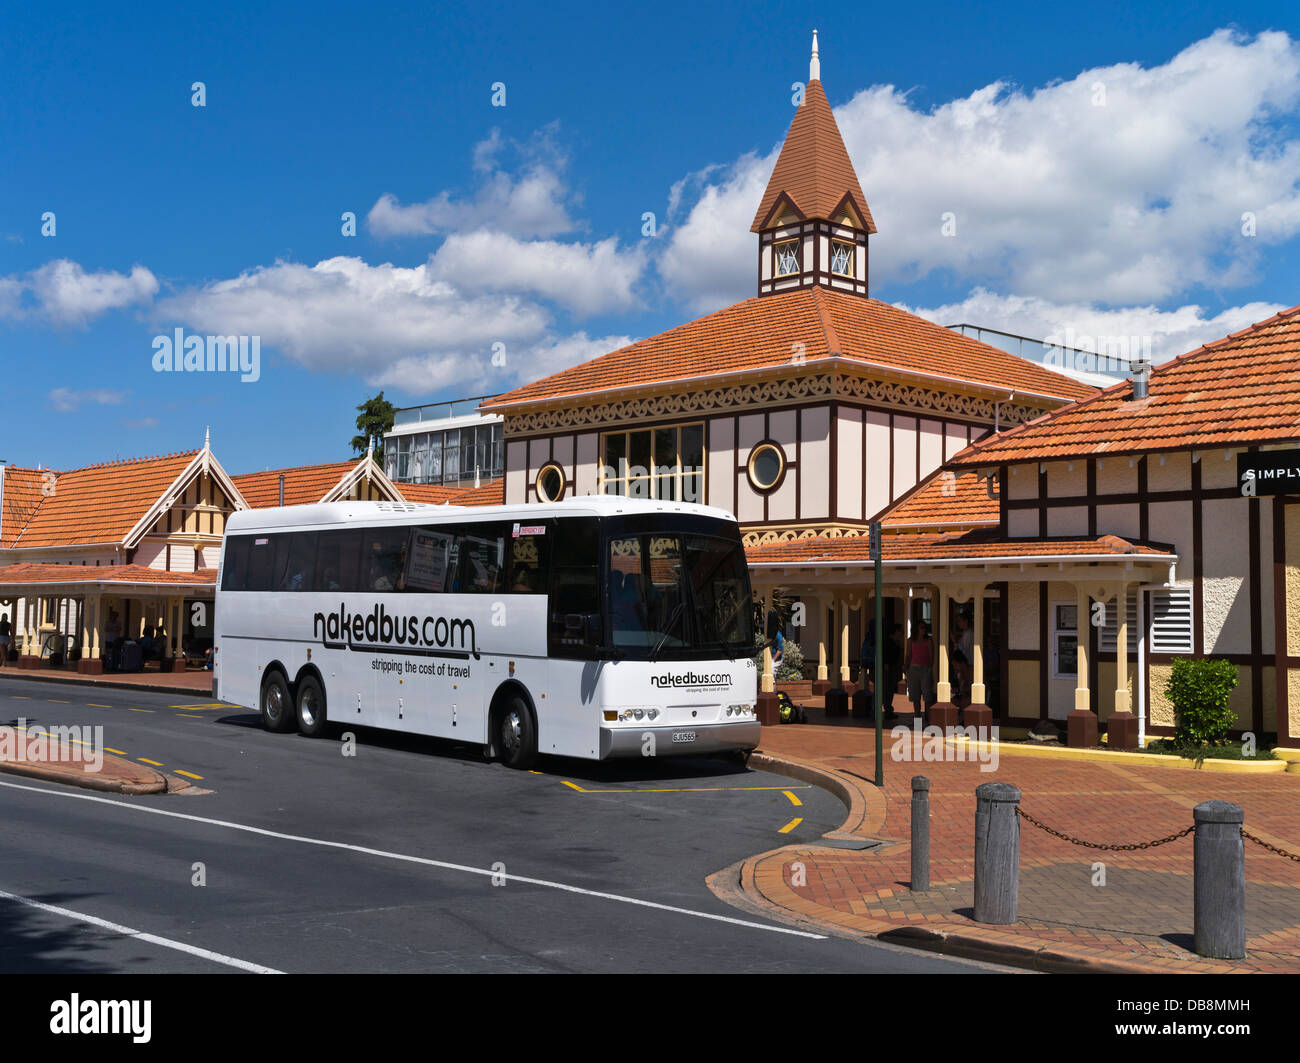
(813,170)
(13,575)
(22,495)
(764,333)
(491,493)
(946,499)
(1242,389)
(434,494)
(97,504)
(974,545)
(303,484)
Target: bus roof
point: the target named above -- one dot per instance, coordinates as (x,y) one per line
(353,512)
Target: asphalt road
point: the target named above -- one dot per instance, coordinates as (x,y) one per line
(412,855)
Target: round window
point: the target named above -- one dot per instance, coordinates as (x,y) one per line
(550,483)
(766,464)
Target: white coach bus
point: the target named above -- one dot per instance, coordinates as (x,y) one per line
(592,627)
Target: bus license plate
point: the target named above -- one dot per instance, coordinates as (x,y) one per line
(683,736)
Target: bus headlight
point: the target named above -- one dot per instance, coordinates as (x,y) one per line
(638,713)
(652,713)
(739,710)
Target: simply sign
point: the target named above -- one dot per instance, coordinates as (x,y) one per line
(1268,472)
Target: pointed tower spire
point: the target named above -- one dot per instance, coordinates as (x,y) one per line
(813,221)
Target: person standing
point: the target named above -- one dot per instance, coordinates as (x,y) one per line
(6,633)
(920,668)
(893,668)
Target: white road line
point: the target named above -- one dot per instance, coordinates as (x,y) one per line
(407,858)
(140,935)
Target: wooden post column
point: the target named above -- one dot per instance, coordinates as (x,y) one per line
(1081,724)
(822,683)
(1122,725)
(767,706)
(943,713)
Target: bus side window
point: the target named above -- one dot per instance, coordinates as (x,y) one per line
(482,550)
(235,573)
(261,563)
(385,555)
(530,562)
(574,582)
(300,562)
(336,561)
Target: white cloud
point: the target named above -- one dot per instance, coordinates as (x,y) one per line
(586,278)
(1166,333)
(479,373)
(1133,201)
(66,400)
(394,326)
(343,314)
(64,293)
(530,204)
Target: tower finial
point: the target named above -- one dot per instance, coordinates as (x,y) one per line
(815,67)
(207,438)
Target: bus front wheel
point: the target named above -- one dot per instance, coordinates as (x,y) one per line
(277,704)
(311,707)
(516,734)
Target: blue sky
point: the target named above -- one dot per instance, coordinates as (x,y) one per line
(1117,212)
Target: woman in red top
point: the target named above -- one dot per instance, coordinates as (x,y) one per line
(919,662)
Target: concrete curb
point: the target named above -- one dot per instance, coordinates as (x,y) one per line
(866,807)
(101,684)
(750,885)
(156,783)
(1134,759)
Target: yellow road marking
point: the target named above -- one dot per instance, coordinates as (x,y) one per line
(142,710)
(188,774)
(791,825)
(189,715)
(94,706)
(119,752)
(793,800)
(56,701)
(142,760)
(201,705)
(20,697)
(682,789)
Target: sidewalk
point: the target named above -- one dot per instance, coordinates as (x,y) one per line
(197,681)
(1140,920)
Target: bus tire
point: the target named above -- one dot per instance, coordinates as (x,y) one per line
(276,704)
(516,734)
(310,707)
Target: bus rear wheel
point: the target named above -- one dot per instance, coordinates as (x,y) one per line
(311,707)
(276,704)
(516,735)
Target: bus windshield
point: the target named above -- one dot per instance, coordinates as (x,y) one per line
(678,595)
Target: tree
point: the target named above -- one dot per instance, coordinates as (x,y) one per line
(376,418)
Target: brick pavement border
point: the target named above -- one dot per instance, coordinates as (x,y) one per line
(758,886)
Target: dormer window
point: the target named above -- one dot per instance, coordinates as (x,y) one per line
(787,258)
(842,258)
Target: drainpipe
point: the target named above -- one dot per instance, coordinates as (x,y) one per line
(2,500)
(281,488)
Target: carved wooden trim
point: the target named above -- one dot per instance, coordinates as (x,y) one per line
(585,415)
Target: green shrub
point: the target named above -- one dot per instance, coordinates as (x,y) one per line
(1200,689)
(791,664)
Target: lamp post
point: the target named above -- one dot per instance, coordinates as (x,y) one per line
(873,532)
